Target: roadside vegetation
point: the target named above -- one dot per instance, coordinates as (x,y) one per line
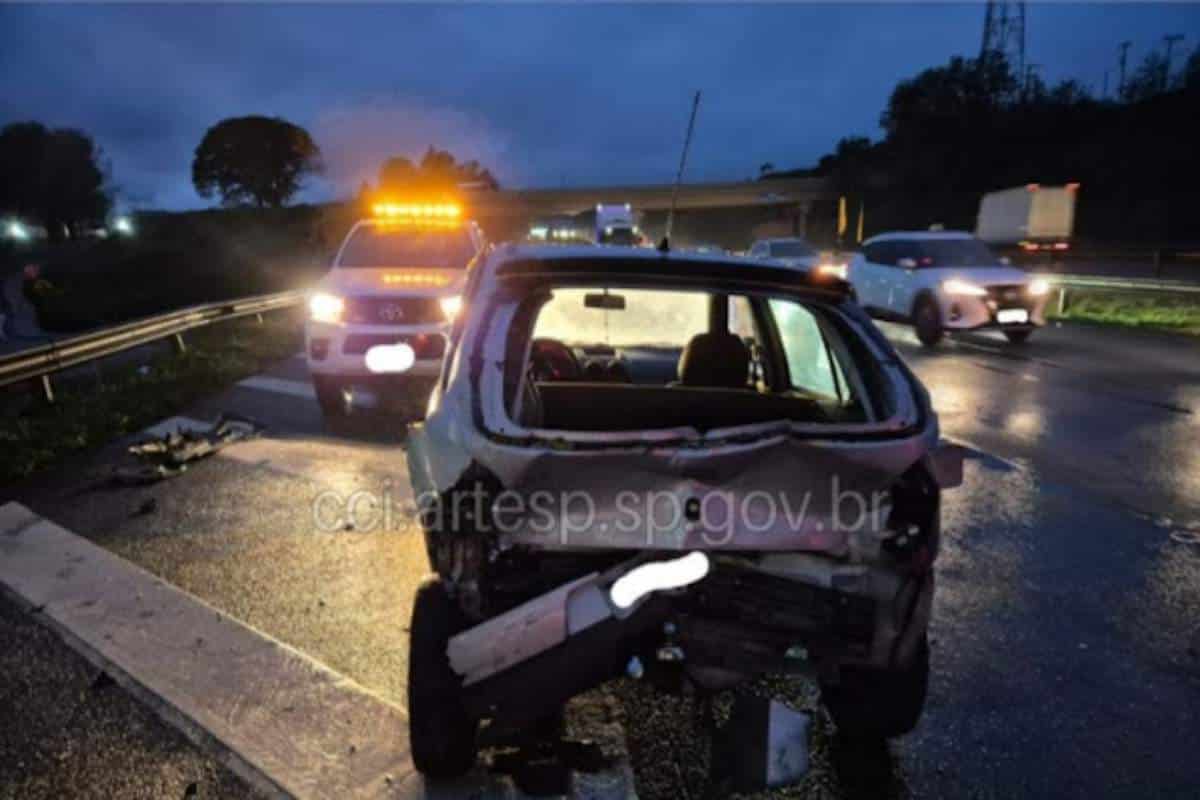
(89,413)
(1176,313)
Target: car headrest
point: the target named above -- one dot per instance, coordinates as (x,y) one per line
(715,359)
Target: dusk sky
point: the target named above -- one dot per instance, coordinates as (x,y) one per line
(542,94)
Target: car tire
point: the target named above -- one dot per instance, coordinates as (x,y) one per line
(871,703)
(927,319)
(331,395)
(441,732)
(1018,337)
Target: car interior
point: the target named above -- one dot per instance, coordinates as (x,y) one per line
(710,360)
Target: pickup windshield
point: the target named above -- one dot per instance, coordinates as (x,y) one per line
(371,246)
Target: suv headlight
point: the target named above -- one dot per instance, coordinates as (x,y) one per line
(324,307)
(1038,287)
(451,306)
(961,287)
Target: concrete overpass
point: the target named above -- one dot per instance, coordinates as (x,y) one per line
(774,207)
(654,197)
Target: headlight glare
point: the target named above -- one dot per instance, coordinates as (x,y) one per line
(961,287)
(324,307)
(451,305)
(1039,286)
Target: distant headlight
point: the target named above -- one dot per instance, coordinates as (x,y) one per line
(1038,287)
(324,307)
(451,306)
(961,287)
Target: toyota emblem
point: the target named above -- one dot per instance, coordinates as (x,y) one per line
(392,312)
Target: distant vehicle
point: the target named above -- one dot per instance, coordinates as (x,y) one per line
(381,315)
(945,281)
(616,224)
(793,251)
(1032,217)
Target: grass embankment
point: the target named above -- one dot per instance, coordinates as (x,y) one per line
(180,259)
(88,414)
(1179,313)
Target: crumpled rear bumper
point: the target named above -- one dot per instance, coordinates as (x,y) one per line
(779,613)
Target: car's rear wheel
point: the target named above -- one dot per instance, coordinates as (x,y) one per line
(1018,337)
(441,732)
(927,319)
(331,395)
(877,703)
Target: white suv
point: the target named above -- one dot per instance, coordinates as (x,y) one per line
(945,281)
(382,313)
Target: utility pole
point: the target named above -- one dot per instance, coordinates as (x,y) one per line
(1170,39)
(1124,47)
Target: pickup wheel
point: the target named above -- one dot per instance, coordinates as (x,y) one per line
(331,396)
(1018,337)
(877,703)
(927,319)
(441,732)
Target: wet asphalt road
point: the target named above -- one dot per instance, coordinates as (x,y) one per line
(1066,633)
(67,732)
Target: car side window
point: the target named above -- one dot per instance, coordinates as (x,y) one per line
(811,366)
(759,249)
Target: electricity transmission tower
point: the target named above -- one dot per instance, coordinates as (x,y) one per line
(1004,33)
(1170,42)
(1121,84)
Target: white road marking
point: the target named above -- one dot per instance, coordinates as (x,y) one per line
(266,383)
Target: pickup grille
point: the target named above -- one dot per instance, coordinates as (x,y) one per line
(393,310)
(424,345)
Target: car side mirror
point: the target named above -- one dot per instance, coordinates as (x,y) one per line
(907,263)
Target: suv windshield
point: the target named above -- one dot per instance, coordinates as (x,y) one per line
(372,246)
(952,253)
(793,249)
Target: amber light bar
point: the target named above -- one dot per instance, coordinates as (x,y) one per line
(421,211)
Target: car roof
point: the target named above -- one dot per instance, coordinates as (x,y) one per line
(919,236)
(514,259)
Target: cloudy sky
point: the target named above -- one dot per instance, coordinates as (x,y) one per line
(543,94)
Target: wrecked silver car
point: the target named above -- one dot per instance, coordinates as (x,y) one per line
(678,467)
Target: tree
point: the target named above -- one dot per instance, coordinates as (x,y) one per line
(53,176)
(437,171)
(1149,79)
(260,160)
(1189,78)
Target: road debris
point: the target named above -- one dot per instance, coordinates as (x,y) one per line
(168,456)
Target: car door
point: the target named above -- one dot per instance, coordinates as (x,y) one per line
(898,277)
(864,275)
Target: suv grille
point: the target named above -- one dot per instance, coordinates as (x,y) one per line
(393,310)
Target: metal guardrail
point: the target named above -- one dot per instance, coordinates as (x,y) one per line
(44,360)
(1063,284)
(1062,281)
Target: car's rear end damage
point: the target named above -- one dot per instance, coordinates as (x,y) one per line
(711,552)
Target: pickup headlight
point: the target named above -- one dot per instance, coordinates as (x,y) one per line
(323,307)
(961,287)
(1038,287)
(451,306)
